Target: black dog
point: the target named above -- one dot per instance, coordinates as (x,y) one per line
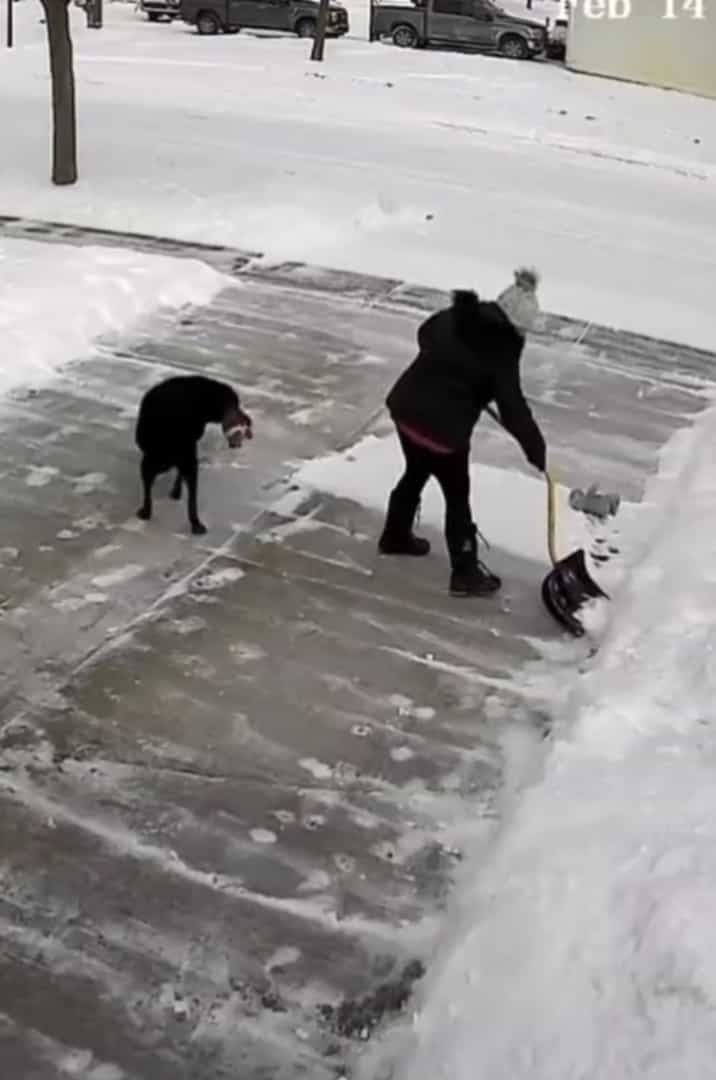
(172,418)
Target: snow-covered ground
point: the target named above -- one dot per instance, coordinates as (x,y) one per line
(56,300)
(442,168)
(512,505)
(582,943)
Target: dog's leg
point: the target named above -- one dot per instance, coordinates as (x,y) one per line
(149,472)
(190,476)
(175,492)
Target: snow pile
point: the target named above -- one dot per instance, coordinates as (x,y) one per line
(584,943)
(55,300)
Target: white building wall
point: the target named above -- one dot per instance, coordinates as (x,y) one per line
(644,46)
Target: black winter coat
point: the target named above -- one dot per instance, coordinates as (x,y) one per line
(469,356)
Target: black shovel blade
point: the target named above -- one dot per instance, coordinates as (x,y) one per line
(566,588)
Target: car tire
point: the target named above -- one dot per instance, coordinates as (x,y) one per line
(405,37)
(514,47)
(208,23)
(306,28)
(152,16)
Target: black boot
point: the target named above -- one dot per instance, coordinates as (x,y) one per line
(469,576)
(397,537)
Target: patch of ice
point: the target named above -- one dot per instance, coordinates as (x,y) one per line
(83,1065)
(296,526)
(284,956)
(77,603)
(89,522)
(215,579)
(263,836)
(106,1072)
(40,475)
(107,549)
(317,881)
(119,576)
(189,624)
(364,819)
(246,653)
(75,1062)
(318,769)
(311,414)
(134,525)
(90,482)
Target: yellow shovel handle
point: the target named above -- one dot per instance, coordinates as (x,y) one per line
(551,517)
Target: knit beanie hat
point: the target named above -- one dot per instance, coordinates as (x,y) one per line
(519,300)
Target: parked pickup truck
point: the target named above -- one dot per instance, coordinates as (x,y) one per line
(230,16)
(477,25)
(167,10)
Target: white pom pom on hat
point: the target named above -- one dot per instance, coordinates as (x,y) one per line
(519,301)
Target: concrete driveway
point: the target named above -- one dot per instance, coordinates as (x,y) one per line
(229,765)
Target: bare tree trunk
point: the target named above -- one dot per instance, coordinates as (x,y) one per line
(10,25)
(319,39)
(64,119)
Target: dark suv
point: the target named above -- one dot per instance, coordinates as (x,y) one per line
(230,16)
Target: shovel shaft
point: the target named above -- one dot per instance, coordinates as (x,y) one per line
(551,501)
(551,517)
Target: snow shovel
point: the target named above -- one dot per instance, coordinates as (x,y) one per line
(568,585)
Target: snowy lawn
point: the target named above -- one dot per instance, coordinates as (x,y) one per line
(55,300)
(441,168)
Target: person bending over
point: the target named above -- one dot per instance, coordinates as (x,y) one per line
(469,356)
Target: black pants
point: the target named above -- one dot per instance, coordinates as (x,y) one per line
(452,472)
